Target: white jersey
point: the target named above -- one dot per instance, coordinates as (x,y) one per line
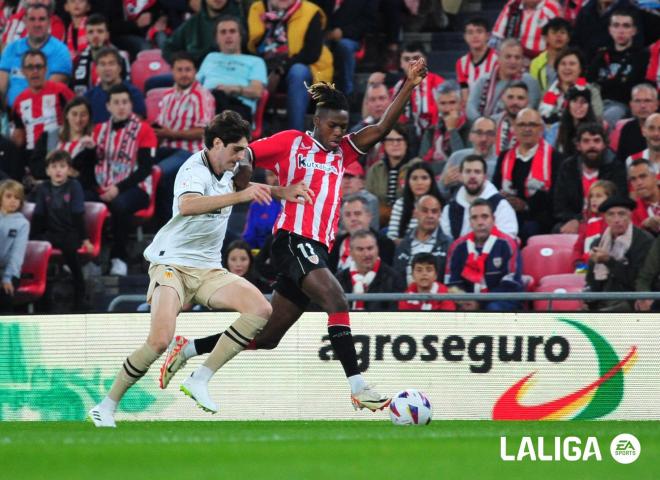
(194,240)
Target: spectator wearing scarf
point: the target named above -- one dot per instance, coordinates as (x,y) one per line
(451,130)
(526,175)
(569,67)
(368,274)
(126,147)
(615,263)
(485,260)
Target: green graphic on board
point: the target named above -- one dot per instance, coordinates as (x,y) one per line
(58,393)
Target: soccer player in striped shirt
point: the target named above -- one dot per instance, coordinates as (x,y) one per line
(305,233)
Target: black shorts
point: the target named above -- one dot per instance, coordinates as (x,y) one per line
(293,257)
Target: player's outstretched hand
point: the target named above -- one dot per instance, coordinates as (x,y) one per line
(258,192)
(417,71)
(299,193)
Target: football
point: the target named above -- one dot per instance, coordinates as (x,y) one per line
(411,407)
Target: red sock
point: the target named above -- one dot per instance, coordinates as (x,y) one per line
(339,319)
(252,345)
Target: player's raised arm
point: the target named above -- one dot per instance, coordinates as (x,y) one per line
(369,136)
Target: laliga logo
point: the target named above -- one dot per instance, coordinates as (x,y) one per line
(593,401)
(625,448)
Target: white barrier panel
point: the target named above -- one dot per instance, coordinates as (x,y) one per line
(473,366)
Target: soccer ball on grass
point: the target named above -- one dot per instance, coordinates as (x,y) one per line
(410,407)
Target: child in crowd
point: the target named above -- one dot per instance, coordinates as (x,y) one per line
(593,225)
(14,233)
(261,218)
(59,217)
(425,280)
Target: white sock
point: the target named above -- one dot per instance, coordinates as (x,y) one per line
(203,374)
(108,404)
(357,383)
(189,350)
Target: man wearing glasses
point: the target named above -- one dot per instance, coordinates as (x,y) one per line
(526,174)
(39,108)
(59,65)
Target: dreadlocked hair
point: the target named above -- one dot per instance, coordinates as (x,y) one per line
(325,95)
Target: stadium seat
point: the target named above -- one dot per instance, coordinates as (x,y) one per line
(563,280)
(153,99)
(28,210)
(616,133)
(258,123)
(540,261)
(95,215)
(33,274)
(554,240)
(558,305)
(147,66)
(151,54)
(143,216)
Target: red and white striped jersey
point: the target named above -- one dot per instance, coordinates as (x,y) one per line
(468,72)
(297,157)
(528,24)
(186,109)
(39,111)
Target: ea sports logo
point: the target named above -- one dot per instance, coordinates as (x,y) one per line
(625,448)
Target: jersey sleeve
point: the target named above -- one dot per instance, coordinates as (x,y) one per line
(266,152)
(351,152)
(192,178)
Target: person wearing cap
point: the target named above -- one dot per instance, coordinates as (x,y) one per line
(593,162)
(353,183)
(615,263)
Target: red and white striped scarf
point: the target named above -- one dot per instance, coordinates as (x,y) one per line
(134,8)
(554,101)
(361,282)
(504,139)
(426,305)
(595,228)
(73,147)
(345,259)
(421,109)
(474,270)
(540,175)
(117,152)
(81,38)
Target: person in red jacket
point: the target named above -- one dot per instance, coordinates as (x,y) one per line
(425,280)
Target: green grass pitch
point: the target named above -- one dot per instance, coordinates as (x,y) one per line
(308,450)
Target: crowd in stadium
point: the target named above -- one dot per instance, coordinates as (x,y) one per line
(546,139)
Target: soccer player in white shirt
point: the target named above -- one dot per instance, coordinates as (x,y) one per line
(185,261)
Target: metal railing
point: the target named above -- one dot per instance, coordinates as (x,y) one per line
(522,296)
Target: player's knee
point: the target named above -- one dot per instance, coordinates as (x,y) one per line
(159,343)
(262,309)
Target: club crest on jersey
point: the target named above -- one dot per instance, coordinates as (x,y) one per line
(304,162)
(314,259)
(497,262)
